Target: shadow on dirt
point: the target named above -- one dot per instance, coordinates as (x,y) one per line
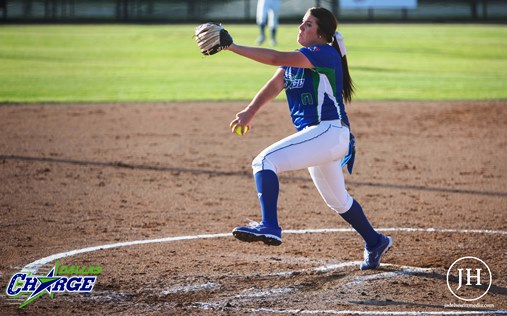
(217,173)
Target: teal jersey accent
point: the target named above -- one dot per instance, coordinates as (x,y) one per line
(315,95)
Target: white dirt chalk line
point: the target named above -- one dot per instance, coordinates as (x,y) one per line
(352,312)
(403,270)
(190,288)
(33,267)
(400,229)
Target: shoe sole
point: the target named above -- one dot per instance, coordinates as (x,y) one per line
(269,240)
(383,253)
(388,247)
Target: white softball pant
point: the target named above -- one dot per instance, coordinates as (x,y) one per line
(268,10)
(319,148)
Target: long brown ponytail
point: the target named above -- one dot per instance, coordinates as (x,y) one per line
(348,84)
(327,27)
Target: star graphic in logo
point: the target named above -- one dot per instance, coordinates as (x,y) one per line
(45,285)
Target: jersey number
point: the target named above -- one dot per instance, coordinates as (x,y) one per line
(306,99)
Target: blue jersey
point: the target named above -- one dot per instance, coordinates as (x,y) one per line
(315,95)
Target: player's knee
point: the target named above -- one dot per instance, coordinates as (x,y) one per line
(262,162)
(341,206)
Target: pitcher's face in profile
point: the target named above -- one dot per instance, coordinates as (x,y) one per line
(308,31)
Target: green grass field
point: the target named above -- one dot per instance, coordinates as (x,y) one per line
(123,63)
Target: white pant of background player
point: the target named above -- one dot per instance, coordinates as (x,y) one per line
(319,148)
(268,11)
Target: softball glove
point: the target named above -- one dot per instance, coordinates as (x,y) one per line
(212,38)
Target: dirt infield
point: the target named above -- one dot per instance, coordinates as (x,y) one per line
(432,175)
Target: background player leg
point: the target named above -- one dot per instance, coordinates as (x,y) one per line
(262,34)
(262,19)
(273,36)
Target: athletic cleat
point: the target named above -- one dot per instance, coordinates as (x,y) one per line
(269,235)
(372,258)
(261,39)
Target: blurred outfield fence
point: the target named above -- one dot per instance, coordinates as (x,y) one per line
(174,11)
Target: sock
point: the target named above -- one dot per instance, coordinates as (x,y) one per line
(267,190)
(273,33)
(356,218)
(261,29)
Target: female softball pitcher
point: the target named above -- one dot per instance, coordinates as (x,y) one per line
(316,81)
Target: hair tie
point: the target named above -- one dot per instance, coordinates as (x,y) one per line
(339,39)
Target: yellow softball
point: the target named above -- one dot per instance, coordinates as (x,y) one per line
(240,130)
